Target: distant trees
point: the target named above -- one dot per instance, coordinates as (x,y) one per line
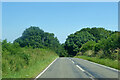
(88,41)
(63,51)
(98,33)
(75,41)
(37,38)
(98,41)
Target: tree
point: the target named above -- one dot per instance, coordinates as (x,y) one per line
(85,38)
(75,41)
(37,38)
(108,46)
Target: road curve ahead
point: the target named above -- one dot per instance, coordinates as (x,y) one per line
(77,68)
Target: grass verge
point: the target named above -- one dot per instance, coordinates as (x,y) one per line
(16,66)
(106,62)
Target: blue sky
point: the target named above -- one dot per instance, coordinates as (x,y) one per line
(60,18)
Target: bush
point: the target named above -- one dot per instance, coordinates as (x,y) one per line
(89,53)
(100,54)
(15,59)
(88,46)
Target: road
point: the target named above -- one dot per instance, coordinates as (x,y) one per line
(77,68)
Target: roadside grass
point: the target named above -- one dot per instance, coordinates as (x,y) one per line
(28,63)
(106,62)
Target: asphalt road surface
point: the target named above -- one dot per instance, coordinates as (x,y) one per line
(77,68)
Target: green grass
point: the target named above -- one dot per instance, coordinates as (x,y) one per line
(106,62)
(27,63)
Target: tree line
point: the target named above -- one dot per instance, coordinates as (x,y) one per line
(87,41)
(36,38)
(96,42)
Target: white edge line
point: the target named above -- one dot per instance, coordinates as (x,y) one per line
(80,68)
(45,69)
(91,78)
(101,65)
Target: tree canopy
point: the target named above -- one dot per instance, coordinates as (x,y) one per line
(88,39)
(37,38)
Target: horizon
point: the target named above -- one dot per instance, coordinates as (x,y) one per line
(62,19)
(56,36)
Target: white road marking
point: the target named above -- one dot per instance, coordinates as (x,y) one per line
(80,68)
(91,78)
(70,59)
(73,62)
(86,72)
(101,65)
(45,69)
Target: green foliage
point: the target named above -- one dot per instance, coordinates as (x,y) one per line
(63,51)
(75,41)
(98,33)
(104,48)
(37,38)
(94,42)
(16,59)
(36,45)
(108,46)
(88,46)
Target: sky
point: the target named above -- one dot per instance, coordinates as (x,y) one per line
(60,18)
(60,0)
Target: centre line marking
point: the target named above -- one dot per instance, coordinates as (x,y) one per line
(80,68)
(73,62)
(91,78)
